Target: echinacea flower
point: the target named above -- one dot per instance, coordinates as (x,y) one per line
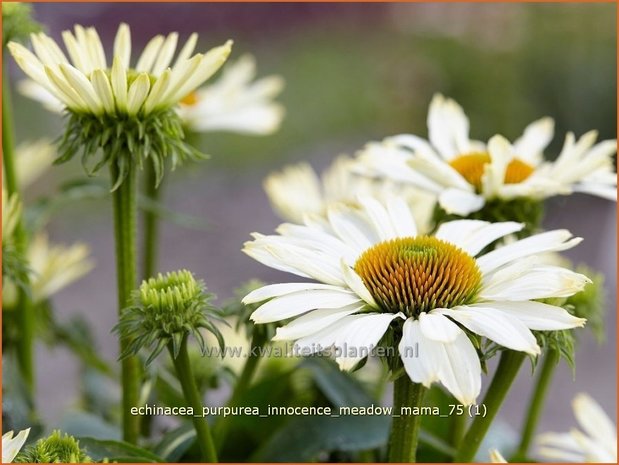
(235,102)
(297,191)
(466,174)
(126,110)
(372,271)
(12,445)
(597,442)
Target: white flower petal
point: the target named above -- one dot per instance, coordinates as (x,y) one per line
(187,49)
(594,421)
(296,303)
(455,364)
(352,228)
(313,322)
(277,290)
(164,57)
(438,327)
(12,445)
(122,45)
(355,283)
(401,217)
(149,55)
(536,315)
(460,202)
(497,326)
(157,93)
(119,84)
(379,217)
(137,93)
(103,88)
(550,241)
(530,146)
(448,127)
(534,282)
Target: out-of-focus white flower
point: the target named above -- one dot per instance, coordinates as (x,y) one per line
(86,82)
(297,191)
(55,266)
(32,160)
(235,102)
(496,456)
(12,445)
(11,212)
(465,173)
(597,442)
(371,268)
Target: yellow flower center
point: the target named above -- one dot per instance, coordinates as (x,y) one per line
(471,167)
(190,99)
(417,274)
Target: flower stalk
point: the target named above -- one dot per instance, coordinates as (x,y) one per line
(506,372)
(536,404)
(184,373)
(150,241)
(405,428)
(125,226)
(25,348)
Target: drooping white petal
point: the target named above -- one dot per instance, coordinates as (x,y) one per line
(473,235)
(534,282)
(497,326)
(119,84)
(83,87)
(536,315)
(313,322)
(455,364)
(352,228)
(549,241)
(64,91)
(460,202)
(278,290)
(352,337)
(379,217)
(401,217)
(501,153)
(437,327)
(296,303)
(187,49)
(157,93)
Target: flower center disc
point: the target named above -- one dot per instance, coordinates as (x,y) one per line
(414,275)
(471,167)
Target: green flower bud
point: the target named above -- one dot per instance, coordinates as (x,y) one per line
(164,310)
(17,22)
(56,448)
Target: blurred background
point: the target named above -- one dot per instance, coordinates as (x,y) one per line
(354,73)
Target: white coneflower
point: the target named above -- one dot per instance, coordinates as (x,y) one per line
(54,267)
(235,102)
(12,445)
(297,191)
(597,442)
(465,174)
(128,110)
(374,269)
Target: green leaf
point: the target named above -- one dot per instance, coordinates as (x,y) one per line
(85,423)
(116,451)
(175,443)
(339,387)
(304,439)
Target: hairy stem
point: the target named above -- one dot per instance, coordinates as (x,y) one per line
(405,428)
(192,396)
(501,382)
(125,227)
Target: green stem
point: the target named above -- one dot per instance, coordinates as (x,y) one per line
(458,427)
(537,401)
(25,308)
(501,382)
(258,341)
(125,226)
(405,427)
(150,239)
(182,365)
